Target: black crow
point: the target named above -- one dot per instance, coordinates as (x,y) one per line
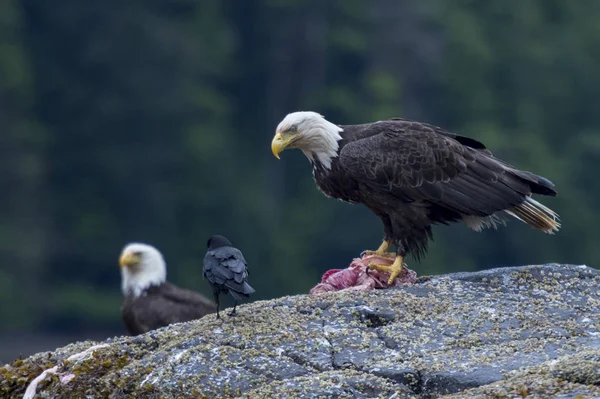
(226,270)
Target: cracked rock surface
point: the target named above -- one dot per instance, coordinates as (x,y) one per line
(531,331)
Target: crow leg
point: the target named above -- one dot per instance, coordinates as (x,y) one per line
(216,295)
(394,269)
(232,313)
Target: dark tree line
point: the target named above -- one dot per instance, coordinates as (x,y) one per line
(151,121)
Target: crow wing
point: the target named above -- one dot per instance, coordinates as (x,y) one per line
(226,266)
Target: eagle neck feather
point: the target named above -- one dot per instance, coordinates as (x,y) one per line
(320,142)
(136,283)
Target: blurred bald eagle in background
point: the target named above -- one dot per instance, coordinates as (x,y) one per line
(413,175)
(150,301)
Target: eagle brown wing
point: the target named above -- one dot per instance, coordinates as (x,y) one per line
(163,305)
(414,162)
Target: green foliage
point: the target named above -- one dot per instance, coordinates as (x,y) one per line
(152,122)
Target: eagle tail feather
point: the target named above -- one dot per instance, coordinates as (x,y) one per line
(478,223)
(536,215)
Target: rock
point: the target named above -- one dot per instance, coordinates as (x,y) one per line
(530,331)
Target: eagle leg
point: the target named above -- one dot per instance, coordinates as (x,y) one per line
(382,250)
(394,269)
(233,313)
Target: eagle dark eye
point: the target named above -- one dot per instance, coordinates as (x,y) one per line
(293,129)
(138,253)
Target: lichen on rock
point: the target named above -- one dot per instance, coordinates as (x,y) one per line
(528,331)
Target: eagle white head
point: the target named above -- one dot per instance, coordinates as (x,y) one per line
(142,266)
(310,132)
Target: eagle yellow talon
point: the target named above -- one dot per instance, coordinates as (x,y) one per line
(394,269)
(382,250)
(384,254)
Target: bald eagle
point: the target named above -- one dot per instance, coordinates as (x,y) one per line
(414,175)
(150,301)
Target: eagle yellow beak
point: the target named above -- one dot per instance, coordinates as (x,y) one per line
(279,144)
(128,259)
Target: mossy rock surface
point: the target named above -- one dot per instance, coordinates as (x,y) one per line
(531,331)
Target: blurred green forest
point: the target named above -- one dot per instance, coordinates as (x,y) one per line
(151,121)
